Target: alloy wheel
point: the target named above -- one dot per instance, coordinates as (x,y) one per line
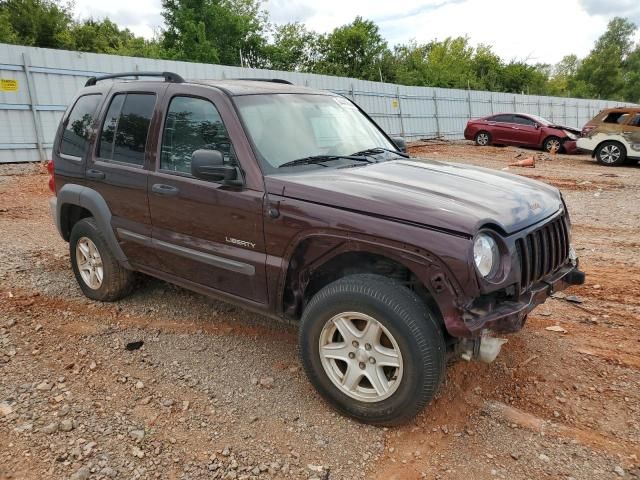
(482,139)
(361,357)
(610,154)
(89,263)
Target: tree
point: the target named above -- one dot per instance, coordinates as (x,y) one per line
(229,32)
(355,50)
(601,73)
(42,23)
(294,48)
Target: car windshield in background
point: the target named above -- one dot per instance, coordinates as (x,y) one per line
(288,127)
(540,120)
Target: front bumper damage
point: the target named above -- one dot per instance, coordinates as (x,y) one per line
(507,316)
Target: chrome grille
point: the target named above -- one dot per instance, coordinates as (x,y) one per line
(542,251)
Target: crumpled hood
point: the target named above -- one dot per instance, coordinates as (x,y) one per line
(447,196)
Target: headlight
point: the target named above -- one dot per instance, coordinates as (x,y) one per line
(572,136)
(486,255)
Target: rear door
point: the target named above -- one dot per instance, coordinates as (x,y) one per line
(117,168)
(208,233)
(631,135)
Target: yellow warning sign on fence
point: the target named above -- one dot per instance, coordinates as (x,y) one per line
(8,85)
(395,103)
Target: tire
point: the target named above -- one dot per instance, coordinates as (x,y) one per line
(551,142)
(115,283)
(408,328)
(482,138)
(611,154)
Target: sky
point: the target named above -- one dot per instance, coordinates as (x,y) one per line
(536,31)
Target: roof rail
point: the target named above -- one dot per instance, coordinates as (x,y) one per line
(272,80)
(168,77)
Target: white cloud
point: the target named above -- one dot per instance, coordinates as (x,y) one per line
(542,31)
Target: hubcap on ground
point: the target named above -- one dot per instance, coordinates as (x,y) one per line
(89,263)
(361,357)
(483,139)
(610,154)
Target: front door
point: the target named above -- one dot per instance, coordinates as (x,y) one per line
(206,233)
(524,131)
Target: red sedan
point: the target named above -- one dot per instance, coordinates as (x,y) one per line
(521,129)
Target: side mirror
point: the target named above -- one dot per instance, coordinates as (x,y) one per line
(209,165)
(537,125)
(400,143)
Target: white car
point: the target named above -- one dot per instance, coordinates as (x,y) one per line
(613,136)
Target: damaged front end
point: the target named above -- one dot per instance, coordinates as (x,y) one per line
(542,263)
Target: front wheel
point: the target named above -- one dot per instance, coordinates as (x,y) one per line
(372,349)
(552,144)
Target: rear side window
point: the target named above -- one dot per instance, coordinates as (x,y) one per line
(78,126)
(192,124)
(125,128)
(635,121)
(502,118)
(616,117)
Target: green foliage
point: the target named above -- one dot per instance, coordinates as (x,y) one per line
(294,48)
(235,32)
(215,31)
(354,50)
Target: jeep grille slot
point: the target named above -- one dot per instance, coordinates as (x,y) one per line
(542,251)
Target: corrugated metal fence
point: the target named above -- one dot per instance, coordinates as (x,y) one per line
(36,84)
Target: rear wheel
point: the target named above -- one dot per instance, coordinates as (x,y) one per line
(611,154)
(372,349)
(483,138)
(97,271)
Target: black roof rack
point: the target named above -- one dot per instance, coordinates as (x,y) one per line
(272,80)
(168,77)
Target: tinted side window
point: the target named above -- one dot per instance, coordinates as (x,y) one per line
(125,128)
(192,124)
(635,121)
(78,128)
(523,121)
(502,118)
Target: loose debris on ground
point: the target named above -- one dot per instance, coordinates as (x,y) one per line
(214,392)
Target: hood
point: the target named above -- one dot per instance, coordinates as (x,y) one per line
(573,130)
(447,196)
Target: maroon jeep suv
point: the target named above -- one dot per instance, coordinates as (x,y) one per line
(292,202)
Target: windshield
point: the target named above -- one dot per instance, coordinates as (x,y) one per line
(540,120)
(289,127)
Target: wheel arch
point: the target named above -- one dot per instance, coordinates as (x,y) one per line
(618,142)
(75,202)
(317,260)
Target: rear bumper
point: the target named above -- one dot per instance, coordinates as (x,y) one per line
(510,316)
(53,210)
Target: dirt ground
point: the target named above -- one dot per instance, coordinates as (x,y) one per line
(216,392)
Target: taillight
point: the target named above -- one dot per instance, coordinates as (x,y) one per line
(52,180)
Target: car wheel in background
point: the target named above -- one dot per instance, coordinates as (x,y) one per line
(97,271)
(483,138)
(611,154)
(552,144)
(372,349)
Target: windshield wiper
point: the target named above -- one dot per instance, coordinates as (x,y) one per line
(318,159)
(374,150)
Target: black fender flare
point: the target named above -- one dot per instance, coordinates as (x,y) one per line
(91,200)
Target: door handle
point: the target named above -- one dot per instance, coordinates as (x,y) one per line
(164,190)
(95,174)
